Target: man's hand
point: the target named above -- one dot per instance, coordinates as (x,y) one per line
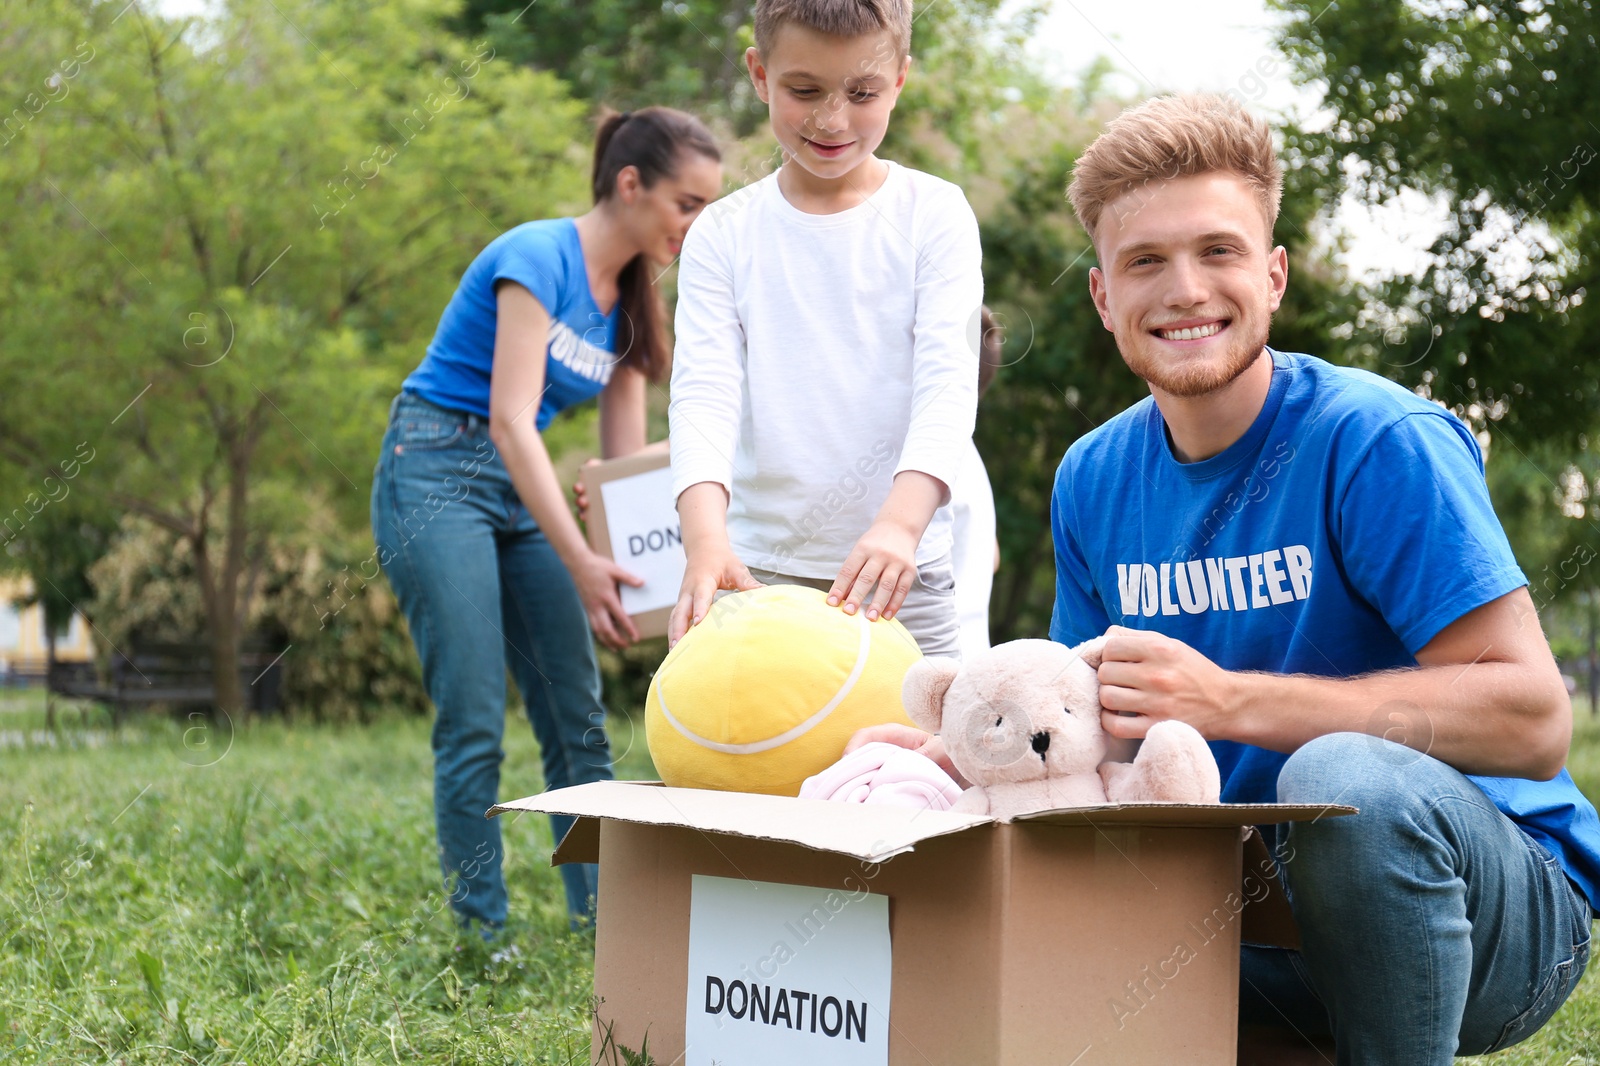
(886,556)
(929,744)
(1148,677)
(706,571)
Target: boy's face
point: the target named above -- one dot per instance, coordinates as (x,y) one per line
(829,97)
(1188,280)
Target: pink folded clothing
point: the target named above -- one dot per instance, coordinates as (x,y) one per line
(884,773)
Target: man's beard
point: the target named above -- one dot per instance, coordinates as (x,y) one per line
(1188,380)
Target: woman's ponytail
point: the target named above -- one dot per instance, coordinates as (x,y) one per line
(650,139)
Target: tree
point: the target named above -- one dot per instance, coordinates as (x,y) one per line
(967,61)
(1487,110)
(229,238)
(630,53)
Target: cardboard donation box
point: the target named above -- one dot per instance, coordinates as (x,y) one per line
(751,930)
(633,520)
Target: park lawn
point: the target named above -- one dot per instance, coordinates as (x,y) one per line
(183,895)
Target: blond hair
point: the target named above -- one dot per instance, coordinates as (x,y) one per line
(837,18)
(1173,137)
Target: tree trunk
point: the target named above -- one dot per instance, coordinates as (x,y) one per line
(218,592)
(49,670)
(226,612)
(225,649)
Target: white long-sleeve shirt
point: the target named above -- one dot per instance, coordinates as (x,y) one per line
(819,355)
(973,530)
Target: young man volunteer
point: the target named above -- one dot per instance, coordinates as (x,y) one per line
(1301,561)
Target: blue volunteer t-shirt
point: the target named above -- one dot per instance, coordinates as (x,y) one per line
(1338,536)
(545,258)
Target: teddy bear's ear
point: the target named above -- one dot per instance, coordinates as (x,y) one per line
(923,690)
(1091,652)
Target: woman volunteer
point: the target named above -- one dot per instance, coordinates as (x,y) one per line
(471,525)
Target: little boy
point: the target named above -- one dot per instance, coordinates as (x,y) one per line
(824,383)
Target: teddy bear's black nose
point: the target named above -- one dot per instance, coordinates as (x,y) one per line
(1041,742)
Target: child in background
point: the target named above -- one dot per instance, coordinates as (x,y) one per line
(824,381)
(976,551)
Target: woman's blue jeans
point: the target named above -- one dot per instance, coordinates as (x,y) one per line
(1430,925)
(483,591)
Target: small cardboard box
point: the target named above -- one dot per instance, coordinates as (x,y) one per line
(1097,935)
(633,520)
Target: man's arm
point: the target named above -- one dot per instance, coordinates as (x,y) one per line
(1486,696)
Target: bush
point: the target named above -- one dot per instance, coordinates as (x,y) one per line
(349,654)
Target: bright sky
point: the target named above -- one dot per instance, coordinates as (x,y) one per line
(1222,46)
(1157,45)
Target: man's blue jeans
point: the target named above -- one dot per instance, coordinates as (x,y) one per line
(1430,924)
(483,590)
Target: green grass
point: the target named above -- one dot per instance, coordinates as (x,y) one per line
(182,896)
(170,898)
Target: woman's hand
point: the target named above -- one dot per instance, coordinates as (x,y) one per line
(580,493)
(707,570)
(597,578)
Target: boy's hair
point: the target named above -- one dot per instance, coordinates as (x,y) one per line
(838,18)
(1173,137)
(992,336)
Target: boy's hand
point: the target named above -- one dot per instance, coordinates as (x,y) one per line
(706,572)
(886,556)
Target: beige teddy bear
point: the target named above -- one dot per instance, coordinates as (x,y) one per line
(1021,721)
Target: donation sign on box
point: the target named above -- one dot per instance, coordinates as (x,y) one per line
(786,975)
(633,520)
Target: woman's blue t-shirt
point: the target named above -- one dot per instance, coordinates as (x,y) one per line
(545,258)
(1346,528)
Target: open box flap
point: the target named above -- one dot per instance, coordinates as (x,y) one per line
(581,844)
(1188,815)
(872,832)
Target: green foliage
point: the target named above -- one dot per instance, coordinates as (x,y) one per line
(348,654)
(691,55)
(56,549)
(1486,109)
(238,233)
(631,53)
(1061,374)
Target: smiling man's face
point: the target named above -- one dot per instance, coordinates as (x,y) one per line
(1188,281)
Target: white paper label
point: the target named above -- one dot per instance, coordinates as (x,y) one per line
(645,537)
(786,975)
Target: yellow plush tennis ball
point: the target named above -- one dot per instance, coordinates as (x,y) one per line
(768,687)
